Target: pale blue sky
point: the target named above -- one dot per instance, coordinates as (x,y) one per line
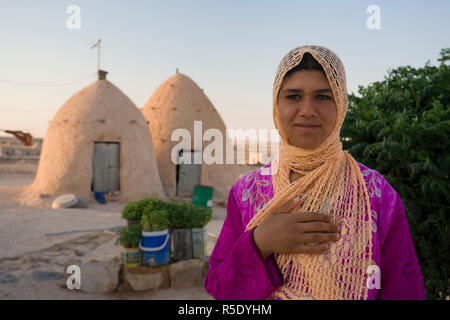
(231,49)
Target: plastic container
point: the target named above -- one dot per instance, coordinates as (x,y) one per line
(155,248)
(203,196)
(100,197)
(132,257)
(65,201)
(198,243)
(181,244)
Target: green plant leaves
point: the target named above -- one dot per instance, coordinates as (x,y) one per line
(401,127)
(179,215)
(154,220)
(130,236)
(131,211)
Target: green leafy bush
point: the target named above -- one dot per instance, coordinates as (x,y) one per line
(135,210)
(154,220)
(184,215)
(132,211)
(180,215)
(177,214)
(130,236)
(401,128)
(198,217)
(151,204)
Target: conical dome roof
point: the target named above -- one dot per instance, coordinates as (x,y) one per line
(99,99)
(99,112)
(176,104)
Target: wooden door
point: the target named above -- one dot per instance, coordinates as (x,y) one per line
(106,167)
(188,175)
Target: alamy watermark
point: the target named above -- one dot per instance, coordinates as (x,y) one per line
(374,20)
(74,281)
(74,20)
(220,150)
(374,280)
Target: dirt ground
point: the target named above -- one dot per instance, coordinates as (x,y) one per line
(28,246)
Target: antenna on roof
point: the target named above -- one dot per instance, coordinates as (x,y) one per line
(101,73)
(98,44)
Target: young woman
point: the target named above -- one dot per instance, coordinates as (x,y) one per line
(313,224)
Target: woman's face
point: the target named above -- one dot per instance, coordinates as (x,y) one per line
(306,108)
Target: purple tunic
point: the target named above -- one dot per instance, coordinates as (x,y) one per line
(237,270)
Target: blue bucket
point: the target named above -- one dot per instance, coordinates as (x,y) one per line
(155,248)
(100,197)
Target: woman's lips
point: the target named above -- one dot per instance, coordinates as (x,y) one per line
(307,127)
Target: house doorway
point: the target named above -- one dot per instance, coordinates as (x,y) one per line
(106,167)
(188,174)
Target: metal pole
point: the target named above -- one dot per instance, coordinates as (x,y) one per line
(99,43)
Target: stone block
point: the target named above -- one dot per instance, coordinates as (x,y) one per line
(98,277)
(146,278)
(187,273)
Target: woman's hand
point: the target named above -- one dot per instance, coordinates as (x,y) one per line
(288,233)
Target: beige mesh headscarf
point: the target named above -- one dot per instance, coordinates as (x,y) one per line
(332,184)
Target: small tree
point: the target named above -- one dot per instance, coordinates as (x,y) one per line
(401,128)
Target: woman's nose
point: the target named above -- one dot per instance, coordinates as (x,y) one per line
(307,108)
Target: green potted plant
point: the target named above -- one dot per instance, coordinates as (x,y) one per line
(150,204)
(181,232)
(132,212)
(155,237)
(129,238)
(154,220)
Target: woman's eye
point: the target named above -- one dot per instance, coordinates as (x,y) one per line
(293,97)
(323,97)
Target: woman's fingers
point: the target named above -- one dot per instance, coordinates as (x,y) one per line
(318,237)
(312,216)
(317,226)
